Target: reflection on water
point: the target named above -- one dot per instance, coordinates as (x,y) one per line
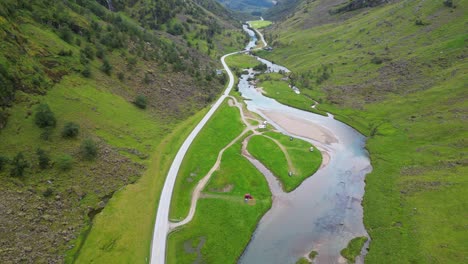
(325,211)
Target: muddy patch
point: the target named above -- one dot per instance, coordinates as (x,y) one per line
(194,246)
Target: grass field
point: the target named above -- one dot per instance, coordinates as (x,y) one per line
(258,24)
(223,221)
(223,127)
(304,163)
(404,86)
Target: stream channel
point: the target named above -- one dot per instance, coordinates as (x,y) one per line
(324,213)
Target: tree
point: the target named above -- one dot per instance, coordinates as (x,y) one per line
(19,165)
(43,158)
(70,130)
(140,101)
(88,149)
(44,116)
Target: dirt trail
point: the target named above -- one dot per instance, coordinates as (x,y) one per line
(285,152)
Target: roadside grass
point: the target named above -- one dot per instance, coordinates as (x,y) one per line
(417,135)
(258,24)
(122,232)
(353,249)
(305,163)
(223,220)
(222,128)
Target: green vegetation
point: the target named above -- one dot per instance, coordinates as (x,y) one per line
(354,248)
(296,158)
(70,130)
(44,116)
(223,205)
(258,24)
(19,164)
(303,260)
(65,162)
(402,85)
(222,128)
(141,101)
(89,149)
(313,254)
(43,159)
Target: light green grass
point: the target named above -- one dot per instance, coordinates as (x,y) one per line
(354,248)
(222,128)
(304,162)
(258,24)
(224,220)
(241,61)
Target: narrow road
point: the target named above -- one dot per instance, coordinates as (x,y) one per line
(161,226)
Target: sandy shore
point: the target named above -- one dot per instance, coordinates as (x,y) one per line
(303,128)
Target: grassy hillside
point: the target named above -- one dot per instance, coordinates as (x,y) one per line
(397,73)
(90,96)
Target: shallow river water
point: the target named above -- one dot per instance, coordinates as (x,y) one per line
(325,211)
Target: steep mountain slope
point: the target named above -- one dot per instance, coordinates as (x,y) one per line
(88,91)
(397,72)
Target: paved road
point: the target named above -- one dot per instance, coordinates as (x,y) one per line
(161,226)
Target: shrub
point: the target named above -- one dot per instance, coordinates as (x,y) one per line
(448,3)
(44,116)
(65,162)
(106,67)
(86,72)
(70,130)
(46,134)
(3,162)
(140,101)
(19,165)
(43,158)
(88,149)
(48,192)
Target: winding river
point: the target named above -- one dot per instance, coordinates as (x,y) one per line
(324,213)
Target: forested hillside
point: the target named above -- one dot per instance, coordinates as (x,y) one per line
(397,72)
(89,92)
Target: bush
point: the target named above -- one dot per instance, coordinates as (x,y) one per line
(140,101)
(86,72)
(65,162)
(106,67)
(70,130)
(43,158)
(448,3)
(88,149)
(3,162)
(19,165)
(377,60)
(44,116)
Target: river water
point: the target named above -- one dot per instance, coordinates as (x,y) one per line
(325,211)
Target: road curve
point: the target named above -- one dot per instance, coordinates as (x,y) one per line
(161,226)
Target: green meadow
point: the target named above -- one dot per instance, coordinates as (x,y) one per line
(222,128)
(303,162)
